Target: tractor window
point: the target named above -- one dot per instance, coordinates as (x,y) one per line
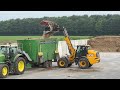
(13,49)
(3,49)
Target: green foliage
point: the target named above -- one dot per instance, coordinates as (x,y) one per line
(13,39)
(76,25)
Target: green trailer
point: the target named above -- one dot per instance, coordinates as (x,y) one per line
(27,54)
(40,51)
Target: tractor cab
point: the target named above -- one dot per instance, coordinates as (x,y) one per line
(8,50)
(82,50)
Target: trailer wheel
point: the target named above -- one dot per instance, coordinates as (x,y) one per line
(20,66)
(62,63)
(83,63)
(4,70)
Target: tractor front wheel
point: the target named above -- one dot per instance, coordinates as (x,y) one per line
(4,70)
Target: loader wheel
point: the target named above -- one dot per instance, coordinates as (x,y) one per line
(83,63)
(20,66)
(4,70)
(69,65)
(90,65)
(62,63)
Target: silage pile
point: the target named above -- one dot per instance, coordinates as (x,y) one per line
(105,43)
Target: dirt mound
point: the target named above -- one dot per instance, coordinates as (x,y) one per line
(105,43)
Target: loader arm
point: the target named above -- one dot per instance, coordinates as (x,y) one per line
(71,49)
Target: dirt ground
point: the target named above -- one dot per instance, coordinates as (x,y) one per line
(108,68)
(105,43)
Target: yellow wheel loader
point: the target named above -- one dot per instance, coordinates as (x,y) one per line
(82,56)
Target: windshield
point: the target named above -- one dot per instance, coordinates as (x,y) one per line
(3,49)
(6,49)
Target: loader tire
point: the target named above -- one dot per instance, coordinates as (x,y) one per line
(62,63)
(90,65)
(83,63)
(19,66)
(4,70)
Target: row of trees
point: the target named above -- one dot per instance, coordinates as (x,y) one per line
(76,25)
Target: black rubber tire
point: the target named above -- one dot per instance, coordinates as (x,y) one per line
(85,63)
(64,60)
(46,64)
(1,67)
(16,71)
(90,65)
(69,65)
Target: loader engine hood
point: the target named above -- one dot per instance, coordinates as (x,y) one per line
(95,53)
(93,56)
(2,58)
(92,51)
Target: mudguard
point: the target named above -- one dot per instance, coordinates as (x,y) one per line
(21,55)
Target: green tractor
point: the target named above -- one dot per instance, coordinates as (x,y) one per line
(10,62)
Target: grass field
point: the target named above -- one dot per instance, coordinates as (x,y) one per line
(12,39)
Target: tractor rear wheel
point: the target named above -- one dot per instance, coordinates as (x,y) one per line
(4,70)
(20,66)
(83,63)
(62,63)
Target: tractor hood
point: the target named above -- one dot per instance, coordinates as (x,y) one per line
(2,58)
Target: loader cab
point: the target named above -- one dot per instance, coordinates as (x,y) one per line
(82,50)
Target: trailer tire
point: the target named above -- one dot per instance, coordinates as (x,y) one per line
(4,70)
(19,66)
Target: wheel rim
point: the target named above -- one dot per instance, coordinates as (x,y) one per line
(83,63)
(21,66)
(62,63)
(4,71)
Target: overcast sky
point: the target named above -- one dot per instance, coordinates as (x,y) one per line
(6,15)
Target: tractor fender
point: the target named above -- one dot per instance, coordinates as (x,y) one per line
(18,55)
(23,54)
(26,55)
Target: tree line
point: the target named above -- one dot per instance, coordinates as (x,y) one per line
(76,25)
